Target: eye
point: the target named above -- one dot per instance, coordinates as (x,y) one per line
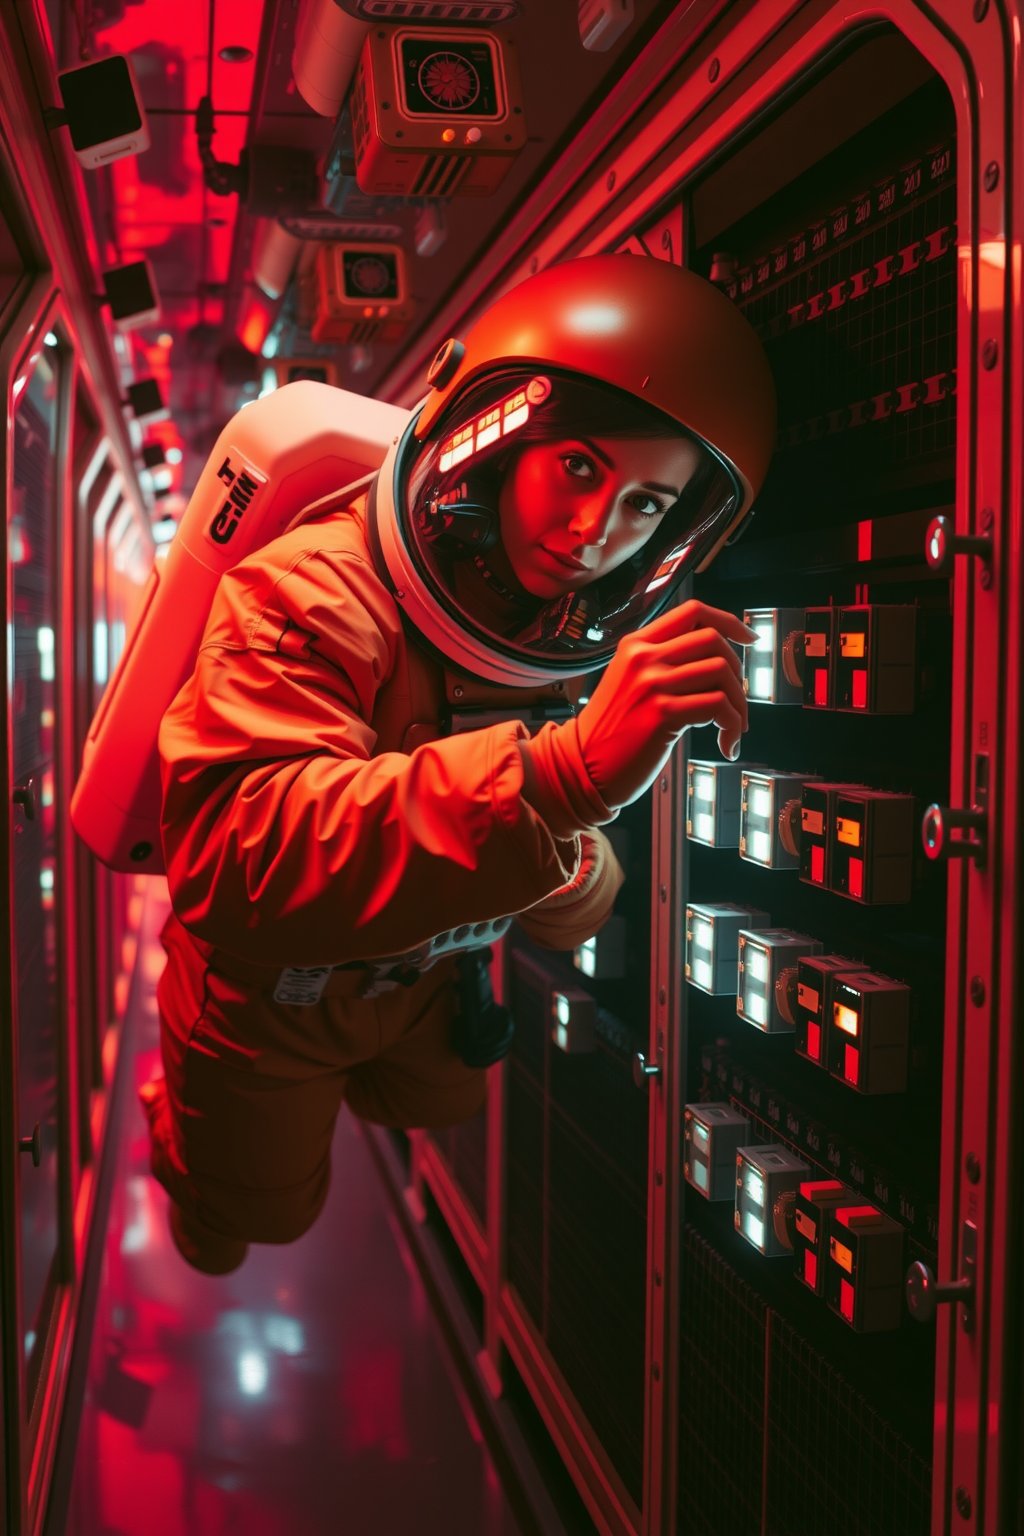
(579,465)
(647,506)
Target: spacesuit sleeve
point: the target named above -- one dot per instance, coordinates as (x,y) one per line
(287,840)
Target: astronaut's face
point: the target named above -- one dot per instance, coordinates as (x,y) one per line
(574,509)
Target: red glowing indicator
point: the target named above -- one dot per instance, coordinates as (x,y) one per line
(860,689)
(846,1299)
(856,877)
(821,687)
(811,1268)
(814,1041)
(851,1067)
(818,864)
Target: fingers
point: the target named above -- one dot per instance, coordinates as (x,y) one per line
(711,709)
(698,645)
(693,615)
(711,676)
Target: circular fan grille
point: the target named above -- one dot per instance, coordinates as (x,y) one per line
(449,81)
(370,275)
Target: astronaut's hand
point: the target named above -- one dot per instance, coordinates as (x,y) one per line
(575,912)
(679,671)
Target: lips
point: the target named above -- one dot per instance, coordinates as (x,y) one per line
(568,561)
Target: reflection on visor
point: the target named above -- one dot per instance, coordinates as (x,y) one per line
(448,500)
(500,421)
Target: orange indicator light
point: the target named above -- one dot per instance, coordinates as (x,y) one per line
(848,831)
(812,821)
(806,1226)
(845,1018)
(815,645)
(852,645)
(842,1255)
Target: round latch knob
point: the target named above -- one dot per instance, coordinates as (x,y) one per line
(939,822)
(25,796)
(643,1069)
(941,544)
(924,1293)
(33,1144)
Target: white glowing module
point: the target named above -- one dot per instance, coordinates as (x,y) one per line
(766,977)
(770,817)
(764,1176)
(712,1134)
(712,943)
(713,803)
(771,666)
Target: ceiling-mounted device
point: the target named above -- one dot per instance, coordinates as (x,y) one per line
(130,291)
(321,224)
(361,294)
(102,111)
(327,43)
(602,22)
(270,179)
(467,13)
(435,112)
(273,255)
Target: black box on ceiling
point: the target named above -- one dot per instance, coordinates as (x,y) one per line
(145,398)
(131,293)
(102,110)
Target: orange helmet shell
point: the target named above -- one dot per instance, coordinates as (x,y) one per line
(657,331)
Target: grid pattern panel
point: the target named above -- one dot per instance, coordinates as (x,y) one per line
(833,1463)
(721,1396)
(597,1241)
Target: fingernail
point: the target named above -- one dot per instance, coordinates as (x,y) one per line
(734,751)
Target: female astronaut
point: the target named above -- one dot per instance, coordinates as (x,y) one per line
(374,766)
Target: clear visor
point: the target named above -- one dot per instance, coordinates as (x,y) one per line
(466,531)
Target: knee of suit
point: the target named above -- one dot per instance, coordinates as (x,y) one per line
(261,1215)
(399,1102)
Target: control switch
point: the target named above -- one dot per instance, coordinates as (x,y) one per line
(603,955)
(769,817)
(574,1021)
(869,1040)
(765,1177)
(712,1134)
(876,661)
(817,818)
(873,836)
(766,980)
(816,976)
(772,666)
(712,943)
(864,1275)
(814,1200)
(713,803)
(819,657)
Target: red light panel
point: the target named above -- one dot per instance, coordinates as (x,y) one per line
(818,864)
(856,877)
(860,689)
(851,1065)
(846,1299)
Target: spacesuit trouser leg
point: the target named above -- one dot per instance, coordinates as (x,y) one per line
(242,1132)
(242,1138)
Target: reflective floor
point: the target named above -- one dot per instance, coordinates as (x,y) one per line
(309,1392)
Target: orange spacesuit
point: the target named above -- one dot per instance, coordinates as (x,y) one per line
(355,848)
(333,839)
